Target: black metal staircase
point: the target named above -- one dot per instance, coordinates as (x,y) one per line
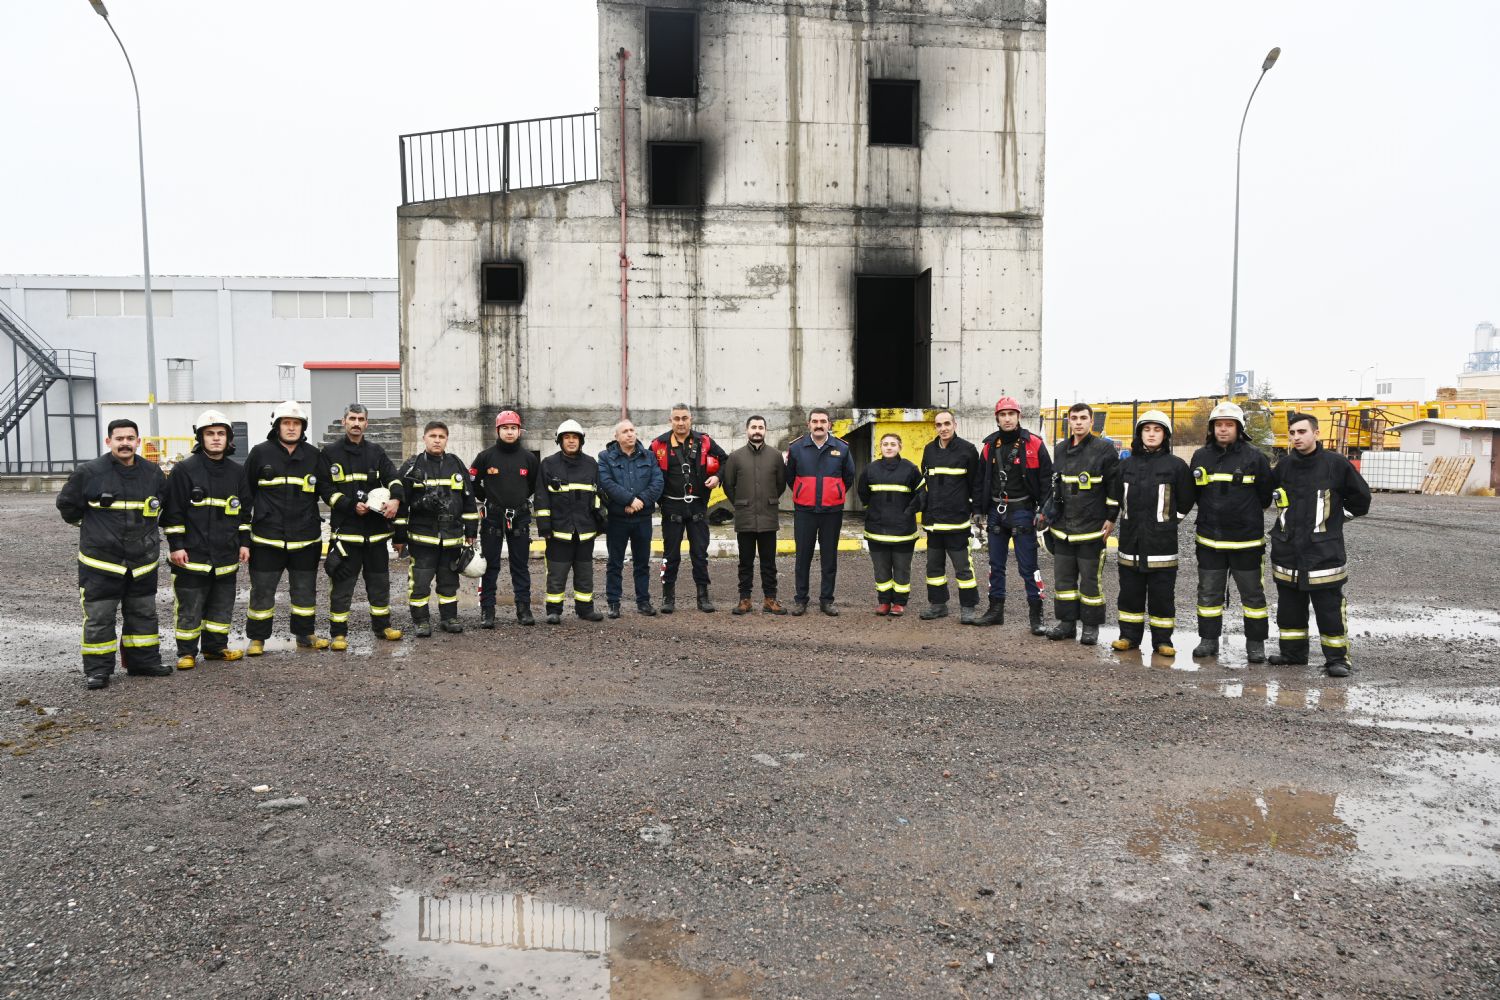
(38,367)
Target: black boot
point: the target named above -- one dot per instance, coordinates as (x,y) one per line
(96,681)
(614,609)
(1206,647)
(704,604)
(1034,611)
(523,614)
(645,608)
(1282,660)
(934,612)
(968,615)
(1090,635)
(1063,630)
(668,598)
(452,625)
(486,617)
(424,630)
(993,615)
(1337,668)
(587,611)
(1255,651)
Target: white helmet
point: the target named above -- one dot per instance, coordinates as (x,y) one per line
(291,408)
(569,427)
(1226,411)
(1154,417)
(212,418)
(377,498)
(475,567)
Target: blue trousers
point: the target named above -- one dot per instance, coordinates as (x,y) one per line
(1016,524)
(617,533)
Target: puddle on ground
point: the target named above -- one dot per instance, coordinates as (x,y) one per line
(1231,652)
(1431,819)
(513,945)
(1412,621)
(1467,712)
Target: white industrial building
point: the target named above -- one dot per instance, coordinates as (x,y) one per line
(238,342)
(1479,439)
(826,205)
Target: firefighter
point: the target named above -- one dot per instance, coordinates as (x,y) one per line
(950,472)
(286,528)
(820,471)
(1233,485)
(690,467)
(505,477)
(358,534)
(1085,467)
(1015,480)
(1155,492)
(891,490)
(571,517)
(1313,490)
(206,520)
(116,501)
(441,518)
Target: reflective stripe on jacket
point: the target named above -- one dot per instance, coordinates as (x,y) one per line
(353,470)
(892,492)
(952,479)
(569,507)
(117,509)
(207,513)
(1233,487)
(283,488)
(1085,487)
(1311,494)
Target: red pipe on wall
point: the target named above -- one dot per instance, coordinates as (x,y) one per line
(623,55)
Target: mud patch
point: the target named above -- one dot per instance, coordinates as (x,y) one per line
(515,945)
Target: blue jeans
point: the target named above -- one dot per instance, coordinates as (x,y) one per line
(1016,524)
(637,532)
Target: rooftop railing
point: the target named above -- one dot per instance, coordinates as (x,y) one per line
(505,156)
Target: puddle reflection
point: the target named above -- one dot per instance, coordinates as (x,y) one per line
(1293,821)
(1467,712)
(514,945)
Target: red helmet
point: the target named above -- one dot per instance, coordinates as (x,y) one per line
(1007,403)
(508,417)
(711,464)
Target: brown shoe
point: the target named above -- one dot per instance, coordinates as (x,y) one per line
(742,608)
(772,607)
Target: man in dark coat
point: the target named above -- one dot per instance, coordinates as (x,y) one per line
(754,478)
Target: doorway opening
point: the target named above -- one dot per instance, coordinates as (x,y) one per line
(893,340)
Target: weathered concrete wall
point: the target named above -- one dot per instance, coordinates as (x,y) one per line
(746,305)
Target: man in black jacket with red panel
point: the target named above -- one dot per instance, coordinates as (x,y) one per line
(690,467)
(821,470)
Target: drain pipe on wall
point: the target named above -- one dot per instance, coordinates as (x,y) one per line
(623,55)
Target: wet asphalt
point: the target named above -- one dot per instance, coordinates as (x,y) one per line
(704,806)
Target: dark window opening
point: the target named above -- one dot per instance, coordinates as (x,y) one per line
(893,112)
(1099,417)
(676,180)
(502,282)
(892,340)
(671,53)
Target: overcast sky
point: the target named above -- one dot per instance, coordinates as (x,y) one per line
(1370,196)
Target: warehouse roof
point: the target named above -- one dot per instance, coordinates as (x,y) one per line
(1463,425)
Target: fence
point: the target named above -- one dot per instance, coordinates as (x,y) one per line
(505,156)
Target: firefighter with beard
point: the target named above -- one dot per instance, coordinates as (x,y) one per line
(569,519)
(286,528)
(1085,467)
(1155,492)
(950,471)
(359,534)
(1233,483)
(115,500)
(206,521)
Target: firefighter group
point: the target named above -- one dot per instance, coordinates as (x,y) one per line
(452,518)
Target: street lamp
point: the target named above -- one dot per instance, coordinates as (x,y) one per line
(140,148)
(1234,296)
(1362,372)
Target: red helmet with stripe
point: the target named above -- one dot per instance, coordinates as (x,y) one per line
(508,417)
(1007,403)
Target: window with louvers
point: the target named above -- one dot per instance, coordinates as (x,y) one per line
(378,392)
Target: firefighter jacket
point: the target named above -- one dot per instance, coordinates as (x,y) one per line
(505,477)
(284,494)
(440,509)
(892,492)
(1155,494)
(951,476)
(1085,488)
(686,467)
(207,513)
(117,508)
(1234,486)
(571,509)
(1029,454)
(820,477)
(1312,494)
(353,471)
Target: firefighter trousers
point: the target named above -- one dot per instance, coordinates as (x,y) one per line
(202,606)
(1016,525)
(516,545)
(267,563)
(429,563)
(677,520)
(1148,597)
(1332,613)
(943,547)
(563,558)
(374,563)
(891,562)
(133,599)
(1247,567)
(1078,587)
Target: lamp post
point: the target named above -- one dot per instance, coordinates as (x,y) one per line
(1234,295)
(140,148)
(1361,372)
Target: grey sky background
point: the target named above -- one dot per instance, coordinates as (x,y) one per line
(1370,204)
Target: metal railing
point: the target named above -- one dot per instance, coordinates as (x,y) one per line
(505,156)
(35,378)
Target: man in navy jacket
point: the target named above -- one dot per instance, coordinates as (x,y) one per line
(632,482)
(820,470)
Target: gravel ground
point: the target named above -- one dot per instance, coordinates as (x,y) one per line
(778,808)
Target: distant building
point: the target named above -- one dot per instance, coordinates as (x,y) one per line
(1400,388)
(1482,370)
(829,204)
(236,341)
(1479,439)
